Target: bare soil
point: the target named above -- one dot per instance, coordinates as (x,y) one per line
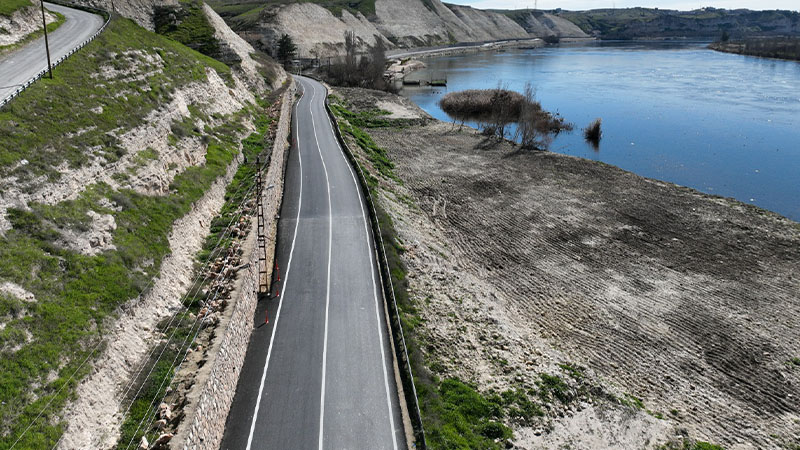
(523,260)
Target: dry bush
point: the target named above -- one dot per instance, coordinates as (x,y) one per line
(496,109)
(593,133)
(354,70)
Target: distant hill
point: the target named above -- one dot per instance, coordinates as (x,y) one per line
(398,23)
(638,23)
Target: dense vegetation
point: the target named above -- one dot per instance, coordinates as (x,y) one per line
(778,47)
(357,70)
(70,121)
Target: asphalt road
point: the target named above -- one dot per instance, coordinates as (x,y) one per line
(19,66)
(320,374)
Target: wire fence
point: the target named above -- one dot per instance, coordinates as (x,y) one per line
(61,59)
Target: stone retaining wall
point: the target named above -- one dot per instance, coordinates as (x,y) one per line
(208,418)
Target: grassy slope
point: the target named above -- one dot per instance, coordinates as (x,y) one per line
(187,24)
(7,7)
(156,385)
(53,26)
(42,343)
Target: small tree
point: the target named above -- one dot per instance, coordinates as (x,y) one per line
(724,37)
(286,49)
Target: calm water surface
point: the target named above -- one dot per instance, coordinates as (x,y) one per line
(723,124)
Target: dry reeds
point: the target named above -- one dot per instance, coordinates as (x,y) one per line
(495,109)
(593,133)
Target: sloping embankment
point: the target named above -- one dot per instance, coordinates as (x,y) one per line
(137,134)
(398,23)
(682,305)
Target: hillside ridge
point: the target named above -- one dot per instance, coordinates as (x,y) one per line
(398,23)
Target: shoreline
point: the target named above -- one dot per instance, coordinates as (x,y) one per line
(738,48)
(408,61)
(528,265)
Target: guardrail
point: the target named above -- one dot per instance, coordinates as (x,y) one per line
(39,75)
(399,340)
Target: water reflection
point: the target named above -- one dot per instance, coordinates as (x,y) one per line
(720,123)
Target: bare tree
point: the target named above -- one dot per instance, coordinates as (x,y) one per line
(350,56)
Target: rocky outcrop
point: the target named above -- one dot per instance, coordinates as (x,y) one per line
(140,11)
(399,23)
(542,24)
(210,403)
(21,23)
(325,38)
(237,52)
(487,25)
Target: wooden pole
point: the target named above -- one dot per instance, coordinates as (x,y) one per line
(46,42)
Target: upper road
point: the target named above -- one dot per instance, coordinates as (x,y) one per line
(19,66)
(320,374)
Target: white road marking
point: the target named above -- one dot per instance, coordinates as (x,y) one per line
(280,302)
(328,291)
(370,256)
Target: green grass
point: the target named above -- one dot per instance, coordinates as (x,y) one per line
(187,23)
(352,125)
(7,7)
(253,146)
(51,27)
(457,416)
(631,401)
(44,342)
(41,125)
(688,444)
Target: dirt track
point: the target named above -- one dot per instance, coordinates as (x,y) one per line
(689,301)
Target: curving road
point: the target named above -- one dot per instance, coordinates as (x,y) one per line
(320,374)
(19,66)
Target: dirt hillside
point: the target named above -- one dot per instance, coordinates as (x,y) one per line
(683,305)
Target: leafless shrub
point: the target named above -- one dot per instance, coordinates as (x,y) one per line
(593,133)
(496,109)
(356,70)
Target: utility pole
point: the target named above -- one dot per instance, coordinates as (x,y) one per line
(46,43)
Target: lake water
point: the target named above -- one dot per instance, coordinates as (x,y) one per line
(720,123)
